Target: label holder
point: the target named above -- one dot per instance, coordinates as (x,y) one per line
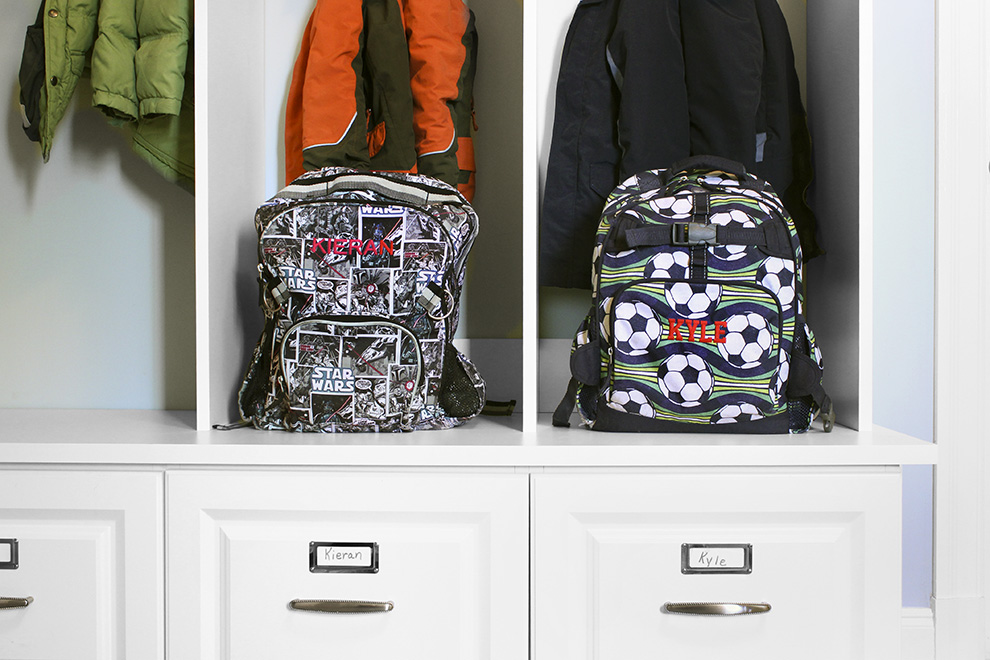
(717,558)
(8,554)
(343,557)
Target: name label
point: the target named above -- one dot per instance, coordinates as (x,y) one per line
(8,554)
(343,557)
(716,558)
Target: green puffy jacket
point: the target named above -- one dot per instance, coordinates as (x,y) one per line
(139,57)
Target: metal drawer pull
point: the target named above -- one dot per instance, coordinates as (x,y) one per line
(341,606)
(7,603)
(716,609)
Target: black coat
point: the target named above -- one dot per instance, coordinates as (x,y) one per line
(646,83)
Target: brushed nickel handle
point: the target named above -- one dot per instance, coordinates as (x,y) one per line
(7,603)
(341,606)
(715,609)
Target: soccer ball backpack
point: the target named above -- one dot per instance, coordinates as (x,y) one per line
(696,323)
(360,276)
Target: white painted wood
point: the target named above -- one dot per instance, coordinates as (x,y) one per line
(826,556)
(917,634)
(90,554)
(202,161)
(236,176)
(452,553)
(962,568)
(163,438)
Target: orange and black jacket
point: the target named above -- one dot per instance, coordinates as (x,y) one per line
(385,85)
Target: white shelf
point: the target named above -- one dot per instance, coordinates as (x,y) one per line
(133,437)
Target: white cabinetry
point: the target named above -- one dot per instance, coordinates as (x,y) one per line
(612,561)
(492,544)
(450,568)
(89,565)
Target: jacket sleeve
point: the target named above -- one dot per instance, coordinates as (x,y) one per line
(113,72)
(139,57)
(435,32)
(324,115)
(723,55)
(164,30)
(647,62)
(582,164)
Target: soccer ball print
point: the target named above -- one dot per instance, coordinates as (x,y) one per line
(667,266)
(780,379)
(631,401)
(726,306)
(637,328)
(673,207)
(685,379)
(748,340)
(693,301)
(736,412)
(777,275)
(735,218)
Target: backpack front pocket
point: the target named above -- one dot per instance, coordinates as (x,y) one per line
(348,373)
(696,351)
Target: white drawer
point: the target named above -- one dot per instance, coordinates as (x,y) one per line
(452,561)
(825,556)
(89,555)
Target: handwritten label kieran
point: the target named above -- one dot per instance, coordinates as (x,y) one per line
(343,557)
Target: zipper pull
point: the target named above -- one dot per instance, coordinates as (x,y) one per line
(611,369)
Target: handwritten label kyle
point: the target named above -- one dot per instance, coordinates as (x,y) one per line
(716,558)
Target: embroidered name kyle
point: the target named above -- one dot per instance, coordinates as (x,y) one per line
(695,330)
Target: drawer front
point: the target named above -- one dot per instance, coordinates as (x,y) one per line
(88,563)
(614,555)
(451,566)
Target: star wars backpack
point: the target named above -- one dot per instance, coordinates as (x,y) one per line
(697,322)
(360,276)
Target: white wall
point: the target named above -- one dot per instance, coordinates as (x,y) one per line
(904,212)
(96,262)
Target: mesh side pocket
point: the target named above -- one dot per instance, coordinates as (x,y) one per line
(459,395)
(799,409)
(799,414)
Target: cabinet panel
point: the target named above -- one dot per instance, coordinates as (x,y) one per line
(89,555)
(451,565)
(825,556)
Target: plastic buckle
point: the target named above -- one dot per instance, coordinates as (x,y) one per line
(693,233)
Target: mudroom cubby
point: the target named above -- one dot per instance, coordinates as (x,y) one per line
(241,164)
(546,543)
(833,58)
